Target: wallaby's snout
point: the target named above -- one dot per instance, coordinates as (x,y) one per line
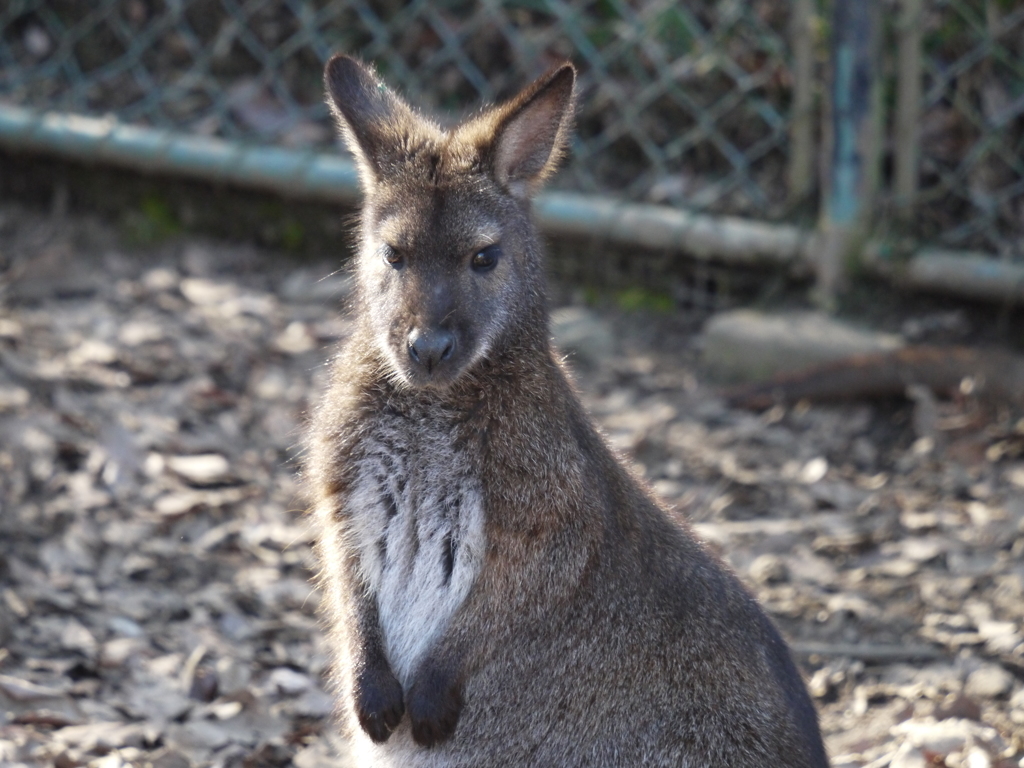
(431,347)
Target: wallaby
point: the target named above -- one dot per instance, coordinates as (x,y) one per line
(500,590)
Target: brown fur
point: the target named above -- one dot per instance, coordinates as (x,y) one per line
(575,624)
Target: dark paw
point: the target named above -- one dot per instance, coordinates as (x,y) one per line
(379,704)
(434,710)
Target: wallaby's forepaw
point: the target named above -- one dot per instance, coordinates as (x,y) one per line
(434,706)
(379,703)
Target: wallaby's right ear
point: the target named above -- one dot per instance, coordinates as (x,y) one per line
(529,133)
(370,116)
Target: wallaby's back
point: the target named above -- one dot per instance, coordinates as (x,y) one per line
(499,589)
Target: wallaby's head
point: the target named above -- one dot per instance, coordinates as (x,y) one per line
(448,267)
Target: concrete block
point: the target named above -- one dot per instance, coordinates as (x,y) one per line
(745,345)
(582,334)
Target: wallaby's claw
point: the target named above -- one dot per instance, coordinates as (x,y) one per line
(379,703)
(434,712)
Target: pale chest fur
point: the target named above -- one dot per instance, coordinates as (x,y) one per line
(417,518)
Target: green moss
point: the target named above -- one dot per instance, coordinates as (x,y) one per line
(152,222)
(671,29)
(592,296)
(293,235)
(634,299)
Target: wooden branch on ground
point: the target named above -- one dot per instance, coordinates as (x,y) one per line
(993,374)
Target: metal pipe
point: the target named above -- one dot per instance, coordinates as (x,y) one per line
(297,172)
(724,238)
(332,177)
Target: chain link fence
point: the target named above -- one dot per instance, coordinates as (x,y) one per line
(685,104)
(972,130)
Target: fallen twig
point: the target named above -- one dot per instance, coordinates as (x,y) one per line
(988,373)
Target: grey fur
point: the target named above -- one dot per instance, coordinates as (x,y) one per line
(500,591)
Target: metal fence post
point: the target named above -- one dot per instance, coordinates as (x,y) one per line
(908,102)
(854,125)
(800,172)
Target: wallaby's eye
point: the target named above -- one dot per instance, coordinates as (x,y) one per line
(392,257)
(485,259)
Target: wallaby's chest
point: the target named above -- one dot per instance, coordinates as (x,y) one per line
(417,513)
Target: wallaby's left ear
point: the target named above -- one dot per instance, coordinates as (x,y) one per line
(530,132)
(372,118)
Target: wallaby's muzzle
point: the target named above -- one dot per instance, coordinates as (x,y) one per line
(430,339)
(431,348)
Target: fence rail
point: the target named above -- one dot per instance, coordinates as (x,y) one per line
(714,106)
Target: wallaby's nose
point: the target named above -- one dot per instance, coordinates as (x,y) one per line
(432,347)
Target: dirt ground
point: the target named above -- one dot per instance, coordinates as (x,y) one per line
(155,598)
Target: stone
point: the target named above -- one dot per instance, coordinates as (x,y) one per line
(769,569)
(12,398)
(157,699)
(944,736)
(169,758)
(923,550)
(746,345)
(989,682)
(306,285)
(583,335)
(115,653)
(908,756)
(25,690)
(160,279)
(102,736)
(314,703)
(137,332)
(295,339)
(198,735)
(977,758)
(234,675)
(202,292)
(1000,636)
(318,755)
(813,471)
(124,626)
(77,637)
(288,682)
(203,469)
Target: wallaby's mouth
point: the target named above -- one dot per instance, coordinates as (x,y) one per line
(431,358)
(441,377)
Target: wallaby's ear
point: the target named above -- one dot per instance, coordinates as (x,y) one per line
(530,132)
(370,116)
